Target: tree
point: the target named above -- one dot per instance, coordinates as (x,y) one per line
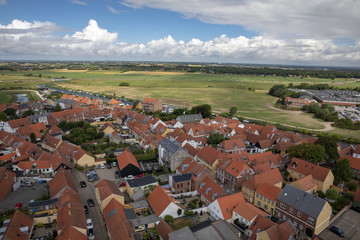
(204,109)
(148,189)
(169,218)
(279,90)
(28,113)
(308,151)
(179,211)
(352,186)
(233,110)
(32,137)
(11,112)
(215,138)
(332,193)
(313,107)
(3,117)
(330,145)
(343,171)
(57,108)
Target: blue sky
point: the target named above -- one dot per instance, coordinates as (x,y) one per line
(243,31)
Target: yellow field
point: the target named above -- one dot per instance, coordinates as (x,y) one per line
(67,70)
(153,73)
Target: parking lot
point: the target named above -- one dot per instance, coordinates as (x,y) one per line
(24,195)
(348,223)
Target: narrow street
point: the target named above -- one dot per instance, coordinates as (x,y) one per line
(94,212)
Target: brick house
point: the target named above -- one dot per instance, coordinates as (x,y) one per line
(180,183)
(151,105)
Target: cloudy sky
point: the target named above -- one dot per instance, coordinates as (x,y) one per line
(317,32)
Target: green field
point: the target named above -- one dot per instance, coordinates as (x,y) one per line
(9,96)
(247,93)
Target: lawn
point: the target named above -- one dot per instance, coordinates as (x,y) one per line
(9,96)
(182,222)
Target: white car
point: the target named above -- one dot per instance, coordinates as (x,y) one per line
(89,224)
(129,177)
(102,166)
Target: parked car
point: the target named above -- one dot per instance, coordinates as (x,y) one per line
(90,202)
(82,184)
(139,176)
(102,166)
(117,174)
(89,224)
(122,184)
(114,164)
(337,231)
(90,234)
(18,205)
(129,177)
(108,165)
(86,209)
(356,209)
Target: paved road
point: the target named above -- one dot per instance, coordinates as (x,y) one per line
(94,212)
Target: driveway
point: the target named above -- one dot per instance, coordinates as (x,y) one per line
(94,212)
(348,222)
(24,195)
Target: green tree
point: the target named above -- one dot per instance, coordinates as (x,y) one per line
(233,110)
(352,186)
(10,112)
(179,211)
(279,90)
(148,190)
(332,193)
(32,137)
(169,218)
(204,109)
(215,138)
(3,117)
(343,171)
(28,113)
(308,151)
(57,108)
(330,145)
(313,107)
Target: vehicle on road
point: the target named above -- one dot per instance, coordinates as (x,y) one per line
(90,202)
(86,209)
(18,205)
(114,164)
(89,224)
(108,165)
(337,231)
(90,234)
(129,177)
(122,184)
(82,184)
(117,174)
(103,166)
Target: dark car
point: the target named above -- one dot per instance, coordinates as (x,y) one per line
(83,184)
(90,202)
(356,209)
(108,165)
(90,234)
(337,231)
(117,174)
(86,209)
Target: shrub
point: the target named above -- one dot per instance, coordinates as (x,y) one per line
(169,219)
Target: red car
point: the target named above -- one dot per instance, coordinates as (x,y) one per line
(18,205)
(139,176)
(122,184)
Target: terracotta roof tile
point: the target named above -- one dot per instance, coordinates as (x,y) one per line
(126,158)
(307,168)
(210,189)
(18,220)
(107,188)
(249,211)
(159,200)
(210,155)
(269,191)
(306,183)
(163,229)
(62,180)
(228,203)
(354,162)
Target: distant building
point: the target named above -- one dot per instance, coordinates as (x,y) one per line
(151,105)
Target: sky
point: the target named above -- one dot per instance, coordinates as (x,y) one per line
(296,32)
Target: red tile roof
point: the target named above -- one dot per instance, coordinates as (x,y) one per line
(163,229)
(63,179)
(306,183)
(233,167)
(210,155)
(16,123)
(249,211)
(307,168)
(28,165)
(7,157)
(354,162)
(126,158)
(260,168)
(228,203)
(159,200)
(107,188)
(14,228)
(211,190)
(269,191)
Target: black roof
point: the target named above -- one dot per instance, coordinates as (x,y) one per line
(43,203)
(182,177)
(137,182)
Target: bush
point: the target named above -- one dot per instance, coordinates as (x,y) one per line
(332,193)
(179,211)
(321,194)
(169,219)
(352,186)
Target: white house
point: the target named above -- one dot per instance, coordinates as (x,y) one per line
(34,167)
(164,204)
(222,208)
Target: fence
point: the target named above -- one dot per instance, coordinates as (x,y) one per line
(186,194)
(336,216)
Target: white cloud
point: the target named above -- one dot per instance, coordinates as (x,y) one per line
(2,2)
(112,10)
(95,43)
(83,3)
(282,18)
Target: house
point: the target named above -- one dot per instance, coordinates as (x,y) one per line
(163,204)
(217,230)
(8,157)
(189,119)
(265,197)
(323,177)
(62,180)
(210,191)
(356,152)
(118,227)
(210,157)
(105,191)
(140,183)
(39,118)
(180,183)
(71,220)
(151,105)
(233,173)
(20,226)
(163,229)
(139,206)
(170,154)
(38,129)
(266,229)
(144,223)
(108,128)
(306,184)
(232,146)
(309,213)
(11,126)
(297,102)
(244,215)
(222,208)
(83,158)
(7,180)
(273,177)
(127,164)
(50,143)
(182,233)
(59,162)
(40,206)
(354,163)
(34,167)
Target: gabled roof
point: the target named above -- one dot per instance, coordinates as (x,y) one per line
(50,141)
(260,223)
(348,151)
(281,230)
(126,158)
(307,168)
(272,177)
(67,149)
(189,118)
(260,168)
(269,191)
(181,177)
(163,229)
(302,201)
(19,227)
(233,167)
(107,188)
(249,211)
(229,202)
(63,179)
(232,144)
(354,162)
(159,200)
(169,146)
(28,165)
(149,100)
(16,123)
(306,183)
(57,159)
(210,155)
(210,189)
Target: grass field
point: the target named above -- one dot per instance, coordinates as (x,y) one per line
(247,93)
(9,96)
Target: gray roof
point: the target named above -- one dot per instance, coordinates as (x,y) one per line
(144,220)
(226,230)
(138,195)
(189,118)
(143,181)
(169,146)
(207,233)
(65,101)
(182,233)
(42,203)
(301,200)
(139,204)
(182,177)
(129,213)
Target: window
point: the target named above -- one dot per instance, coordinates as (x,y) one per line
(295,223)
(301,227)
(257,195)
(279,214)
(268,201)
(282,205)
(311,220)
(244,193)
(265,207)
(291,210)
(261,197)
(299,214)
(259,203)
(272,203)
(284,217)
